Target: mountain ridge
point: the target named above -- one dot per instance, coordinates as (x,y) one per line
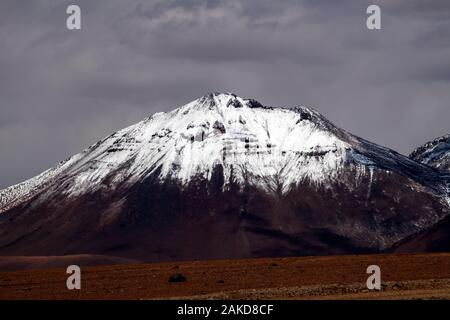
(435,153)
(224,177)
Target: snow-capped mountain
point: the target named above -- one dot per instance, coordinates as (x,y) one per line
(435,153)
(224,177)
(217,129)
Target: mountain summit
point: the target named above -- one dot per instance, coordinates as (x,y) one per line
(224,177)
(245,138)
(435,153)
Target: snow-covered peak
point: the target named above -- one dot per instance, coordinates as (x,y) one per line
(233,132)
(250,141)
(224,102)
(435,153)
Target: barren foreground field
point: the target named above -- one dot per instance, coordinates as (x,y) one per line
(404,276)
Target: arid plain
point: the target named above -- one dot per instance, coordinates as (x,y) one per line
(404,276)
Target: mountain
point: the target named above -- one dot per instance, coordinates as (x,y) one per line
(434,239)
(224,177)
(435,153)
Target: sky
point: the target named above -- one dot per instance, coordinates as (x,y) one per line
(62,90)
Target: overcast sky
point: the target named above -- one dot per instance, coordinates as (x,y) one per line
(62,90)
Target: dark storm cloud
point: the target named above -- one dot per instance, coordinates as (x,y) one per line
(62,90)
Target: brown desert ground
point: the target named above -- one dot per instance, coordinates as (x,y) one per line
(404,276)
